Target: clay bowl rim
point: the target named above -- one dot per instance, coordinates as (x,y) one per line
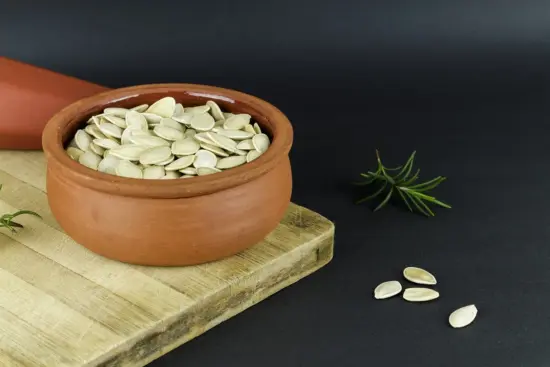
(56,130)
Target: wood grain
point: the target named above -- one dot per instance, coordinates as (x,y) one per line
(62,305)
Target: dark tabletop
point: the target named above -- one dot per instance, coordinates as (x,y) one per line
(464,83)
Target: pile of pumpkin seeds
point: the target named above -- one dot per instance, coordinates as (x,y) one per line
(167,140)
(459,318)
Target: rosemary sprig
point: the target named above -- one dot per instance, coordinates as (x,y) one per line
(6,220)
(404,184)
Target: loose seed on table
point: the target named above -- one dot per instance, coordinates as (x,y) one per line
(387,289)
(419,276)
(463,316)
(420,294)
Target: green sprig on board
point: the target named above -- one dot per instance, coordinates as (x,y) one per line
(403,183)
(6,220)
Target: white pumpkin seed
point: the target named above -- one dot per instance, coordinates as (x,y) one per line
(205,158)
(115,120)
(152,118)
(148,140)
(74,153)
(94,131)
(222,141)
(106,143)
(164,107)
(257,128)
(419,276)
(140,108)
(115,111)
(203,138)
(167,161)
(128,152)
(97,149)
(187,176)
(108,165)
(215,149)
(235,134)
(110,129)
(171,175)
(203,171)
(125,138)
(153,173)
(172,123)
(184,118)
(387,289)
(215,110)
(230,162)
(136,120)
(190,171)
(197,110)
(128,169)
(89,159)
(168,133)
(463,316)
(227,115)
(420,294)
(189,133)
(186,146)
(155,155)
(249,128)
(202,122)
(180,163)
(83,140)
(246,145)
(237,122)
(178,110)
(260,142)
(251,155)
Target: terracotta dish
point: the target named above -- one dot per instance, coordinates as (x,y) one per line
(169,222)
(29,97)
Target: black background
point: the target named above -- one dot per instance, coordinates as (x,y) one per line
(465,83)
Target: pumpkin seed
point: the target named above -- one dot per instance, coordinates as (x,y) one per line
(180,163)
(164,107)
(155,155)
(89,159)
(140,108)
(215,110)
(463,316)
(153,172)
(230,162)
(419,276)
(260,142)
(128,169)
(136,120)
(83,140)
(205,158)
(387,289)
(420,294)
(203,171)
(74,153)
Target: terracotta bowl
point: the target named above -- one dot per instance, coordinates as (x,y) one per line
(169,222)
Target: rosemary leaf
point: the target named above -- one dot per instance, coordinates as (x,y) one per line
(386,199)
(378,192)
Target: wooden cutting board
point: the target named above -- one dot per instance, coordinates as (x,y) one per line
(62,305)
